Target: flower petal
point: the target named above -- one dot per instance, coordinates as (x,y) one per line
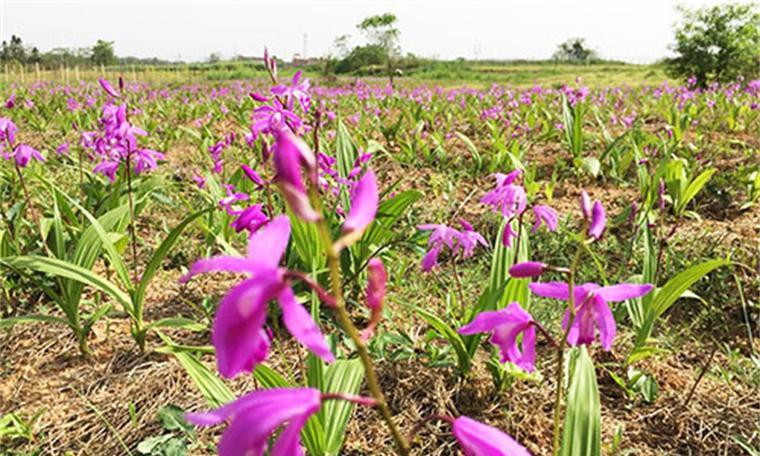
(238,333)
(556,290)
(598,221)
(302,326)
(267,245)
(478,439)
(364,204)
(289,441)
(605,321)
(487,321)
(624,291)
(219,263)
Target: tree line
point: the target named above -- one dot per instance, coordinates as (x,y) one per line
(102,53)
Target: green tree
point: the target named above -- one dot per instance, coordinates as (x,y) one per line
(103,53)
(575,50)
(381,31)
(13,51)
(718,43)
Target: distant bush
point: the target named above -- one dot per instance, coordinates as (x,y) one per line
(575,50)
(718,43)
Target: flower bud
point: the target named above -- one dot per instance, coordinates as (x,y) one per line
(376,287)
(585,205)
(527,269)
(598,221)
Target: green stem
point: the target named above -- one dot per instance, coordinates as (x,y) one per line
(561,349)
(26,195)
(132,219)
(344,319)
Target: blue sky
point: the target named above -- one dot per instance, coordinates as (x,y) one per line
(637,31)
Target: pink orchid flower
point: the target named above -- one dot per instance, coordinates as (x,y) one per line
(256,416)
(592,310)
(506,325)
(478,439)
(238,333)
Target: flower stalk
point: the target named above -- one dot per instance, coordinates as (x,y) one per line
(560,373)
(344,319)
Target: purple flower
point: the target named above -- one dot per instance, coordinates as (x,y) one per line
(508,198)
(585,205)
(250,219)
(108,168)
(23,153)
(478,439)
(508,235)
(8,131)
(256,96)
(108,88)
(297,90)
(252,175)
(506,325)
(376,287)
(594,215)
(363,207)
(545,215)
(592,311)
(291,153)
(257,415)
(598,221)
(145,160)
(232,198)
(469,239)
(238,333)
(199,180)
(63,149)
(271,118)
(445,236)
(377,282)
(527,269)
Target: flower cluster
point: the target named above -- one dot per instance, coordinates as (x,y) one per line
(116,141)
(239,335)
(442,236)
(510,199)
(9,149)
(587,312)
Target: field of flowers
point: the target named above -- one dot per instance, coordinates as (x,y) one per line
(288,267)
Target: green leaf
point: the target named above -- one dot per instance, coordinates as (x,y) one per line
(502,260)
(60,268)
(89,245)
(388,214)
(345,154)
(158,257)
(477,158)
(591,165)
(643,384)
(11,321)
(342,376)
(673,289)
(581,435)
(173,419)
(307,243)
(745,445)
(269,378)
(176,322)
(210,385)
(456,341)
(694,187)
(113,255)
